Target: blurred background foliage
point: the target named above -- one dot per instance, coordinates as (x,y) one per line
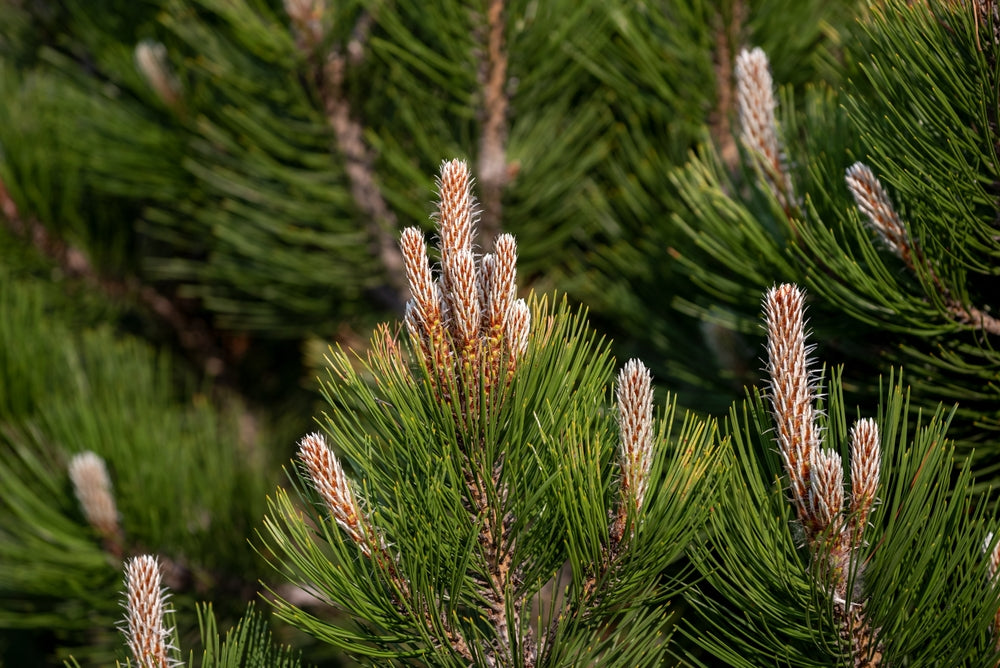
(198,195)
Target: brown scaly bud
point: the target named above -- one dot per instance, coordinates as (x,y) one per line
(517,329)
(826,491)
(499,271)
(328,479)
(791,389)
(634,393)
(92,486)
(873,201)
(456,221)
(866,465)
(145,606)
(424,318)
(756,105)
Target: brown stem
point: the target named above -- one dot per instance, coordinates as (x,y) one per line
(855,630)
(968,315)
(494,174)
(720,121)
(974,317)
(502,579)
(360,167)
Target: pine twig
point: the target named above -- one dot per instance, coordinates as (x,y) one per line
(329,71)
(817,475)
(758,127)
(192,334)
(494,172)
(874,203)
(327,477)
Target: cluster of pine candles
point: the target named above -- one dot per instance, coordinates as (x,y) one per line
(469,334)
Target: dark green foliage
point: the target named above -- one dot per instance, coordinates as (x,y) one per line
(185,485)
(256,182)
(917,119)
(669,72)
(555,443)
(235,185)
(247,645)
(924,551)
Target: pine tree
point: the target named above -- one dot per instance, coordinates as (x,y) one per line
(239,175)
(498,519)
(877,197)
(842,543)
(253,162)
(498,515)
(101,459)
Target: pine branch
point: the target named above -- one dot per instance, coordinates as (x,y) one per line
(192,334)
(329,71)
(486,469)
(817,474)
(873,201)
(494,172)
(327,477)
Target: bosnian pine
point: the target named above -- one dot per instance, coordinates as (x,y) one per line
(880,197)
(471,498)
(842,541)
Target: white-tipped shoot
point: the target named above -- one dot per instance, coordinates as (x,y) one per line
(92,486)
(145,607)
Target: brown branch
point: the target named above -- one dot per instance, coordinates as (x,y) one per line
(359,163)
(720,120)
(499,589)
(194,337)
(494,173)
(974,317)
(866,651)
(328,72)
